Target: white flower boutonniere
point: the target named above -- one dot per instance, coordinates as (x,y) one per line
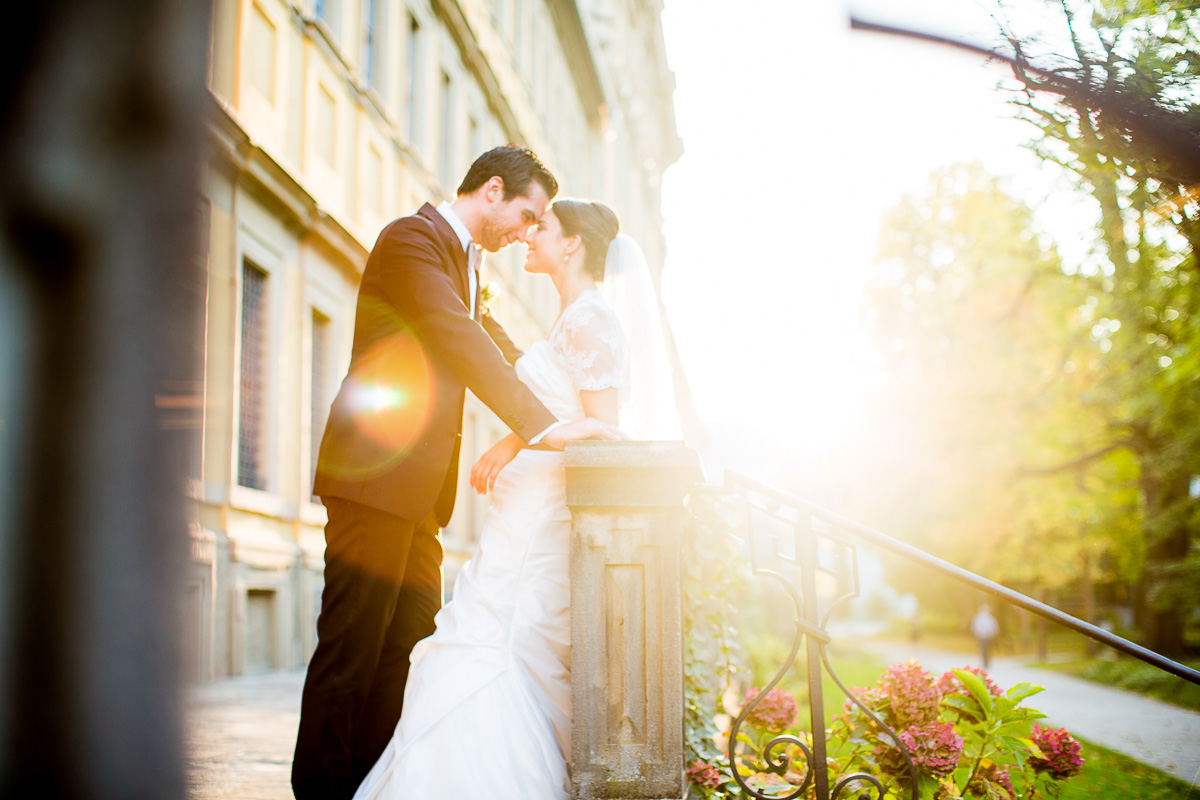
(489,299)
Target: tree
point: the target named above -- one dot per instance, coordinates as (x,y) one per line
(1117,111)
(1142,281)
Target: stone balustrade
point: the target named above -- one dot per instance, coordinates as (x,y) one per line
(626,501)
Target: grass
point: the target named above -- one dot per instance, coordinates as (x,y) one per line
(1136,676)
(1110,774)
(853,667)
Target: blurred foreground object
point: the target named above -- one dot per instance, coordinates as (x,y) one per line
(98,196)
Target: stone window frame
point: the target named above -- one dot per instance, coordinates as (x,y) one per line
(322,301)
(268,499)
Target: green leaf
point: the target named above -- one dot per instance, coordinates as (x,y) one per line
(1023,690)
(1033,749)
(978,690)
(1009,743)
(964,705)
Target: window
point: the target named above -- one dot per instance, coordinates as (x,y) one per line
(520,37)
(262,54)
(500,16)
(326,124)
(547,75)
(474,138)
(411,103)
(446,133)
(327,12)
(260,631)
(319,399)
(372,47)
(372,187)
(252,417)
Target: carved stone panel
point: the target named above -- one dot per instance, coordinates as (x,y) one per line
(627,624)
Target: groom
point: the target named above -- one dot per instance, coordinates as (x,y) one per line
(388,464)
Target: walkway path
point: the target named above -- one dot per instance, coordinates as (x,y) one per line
(1153,732)
(240,736)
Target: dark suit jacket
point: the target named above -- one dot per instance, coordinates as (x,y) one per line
(393,435)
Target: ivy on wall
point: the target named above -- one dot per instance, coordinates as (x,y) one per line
(714,572)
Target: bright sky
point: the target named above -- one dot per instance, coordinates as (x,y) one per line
(798,134)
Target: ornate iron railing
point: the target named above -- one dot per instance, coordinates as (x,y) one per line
(825,544)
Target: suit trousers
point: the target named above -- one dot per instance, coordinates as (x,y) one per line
(383,587)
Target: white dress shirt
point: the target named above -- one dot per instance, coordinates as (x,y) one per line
(469,247)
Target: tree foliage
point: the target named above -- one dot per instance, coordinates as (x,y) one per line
(1051,412)
(988,349)
(1145,270)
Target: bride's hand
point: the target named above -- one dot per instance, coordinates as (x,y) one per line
(586,428)
(483,474)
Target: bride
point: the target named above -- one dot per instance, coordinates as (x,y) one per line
(487,707)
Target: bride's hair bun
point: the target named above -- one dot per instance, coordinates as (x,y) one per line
(595,223)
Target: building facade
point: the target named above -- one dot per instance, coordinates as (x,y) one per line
(329,118)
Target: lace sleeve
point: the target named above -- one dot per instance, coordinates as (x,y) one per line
(590,344)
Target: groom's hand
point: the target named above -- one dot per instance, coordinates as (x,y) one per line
(586,428)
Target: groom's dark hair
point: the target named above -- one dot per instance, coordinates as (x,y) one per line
(514,165)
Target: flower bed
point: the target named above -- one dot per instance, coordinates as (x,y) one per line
(964,736)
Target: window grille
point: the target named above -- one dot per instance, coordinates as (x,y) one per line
(446,145)
(411,81)
(251,470)
(370,48)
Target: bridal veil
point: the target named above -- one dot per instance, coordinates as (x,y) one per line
(648,408)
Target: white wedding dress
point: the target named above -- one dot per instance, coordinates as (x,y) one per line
(487,707)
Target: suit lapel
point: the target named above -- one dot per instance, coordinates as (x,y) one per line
(457,257)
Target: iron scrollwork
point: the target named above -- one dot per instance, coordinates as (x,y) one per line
(805,558)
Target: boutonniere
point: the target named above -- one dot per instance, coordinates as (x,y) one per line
(488,299)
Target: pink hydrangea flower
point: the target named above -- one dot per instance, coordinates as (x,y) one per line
(775,712)
(914,697)
(950,684)
(1061,750)
(706,776)
(934,747)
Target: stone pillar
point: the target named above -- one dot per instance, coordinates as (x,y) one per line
(626,501)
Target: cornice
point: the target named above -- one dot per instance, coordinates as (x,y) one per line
(578,52)
(267,179)
(456,23)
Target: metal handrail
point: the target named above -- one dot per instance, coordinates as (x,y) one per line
(811,526)
(1009,595)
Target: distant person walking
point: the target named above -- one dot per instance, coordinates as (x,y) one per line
(985,629)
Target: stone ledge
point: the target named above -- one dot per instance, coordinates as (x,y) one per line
(630,474)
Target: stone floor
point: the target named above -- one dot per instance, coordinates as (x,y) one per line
(240,737)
